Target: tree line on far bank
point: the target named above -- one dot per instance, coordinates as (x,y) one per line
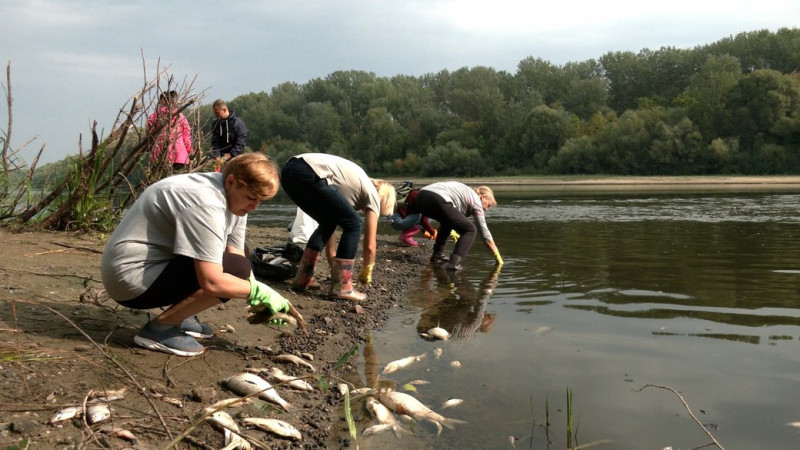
(731,107)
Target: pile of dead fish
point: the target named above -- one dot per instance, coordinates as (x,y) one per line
(94,410)
(389,407)
(253,383)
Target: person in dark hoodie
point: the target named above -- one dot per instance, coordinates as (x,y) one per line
(228,133)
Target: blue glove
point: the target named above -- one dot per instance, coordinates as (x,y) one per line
(264,296)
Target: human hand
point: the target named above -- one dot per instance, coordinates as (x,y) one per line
(454,235)
(264,296)
(366,274)
(432,237)
(498,259)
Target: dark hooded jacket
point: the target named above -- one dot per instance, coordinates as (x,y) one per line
(228,136)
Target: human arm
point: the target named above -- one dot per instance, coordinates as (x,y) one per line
(483,230)
(186,134)
(237,148)
(426,225)
(370,246)
(493,248)
(216,140)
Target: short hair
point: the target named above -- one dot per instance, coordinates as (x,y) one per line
(486,191)
(387,195)
(218,103)
(256,172)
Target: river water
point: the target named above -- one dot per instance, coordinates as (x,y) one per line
(632,303)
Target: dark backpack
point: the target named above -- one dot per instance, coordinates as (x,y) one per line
(276,263)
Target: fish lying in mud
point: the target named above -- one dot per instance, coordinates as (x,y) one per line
(251,384)
(234,402)
(274,426)
(109,395)
(385,418)
(394,366)
(67,413)
(405,404)
(267,315)
(293,382)
(97,413)
(292,359)
(223,422)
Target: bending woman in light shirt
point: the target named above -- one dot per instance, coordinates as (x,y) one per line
(451,203)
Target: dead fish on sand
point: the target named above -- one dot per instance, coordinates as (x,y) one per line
(223,422)
(292,359)
(436,333)
(267,315)
(292,382)
(66,414)
(405,404)
(394,366)
(97,413)
(275,426)
(109,395)
(385,418)
(251,384)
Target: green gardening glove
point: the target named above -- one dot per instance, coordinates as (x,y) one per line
(263,296)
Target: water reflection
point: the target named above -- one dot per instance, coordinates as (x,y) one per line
(451,301)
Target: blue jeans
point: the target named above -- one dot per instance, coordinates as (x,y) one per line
(325,204)
(404,223)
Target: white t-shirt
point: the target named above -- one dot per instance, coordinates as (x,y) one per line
(464,199)
(353,183)
(180,215)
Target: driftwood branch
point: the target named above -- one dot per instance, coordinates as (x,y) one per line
(689,410)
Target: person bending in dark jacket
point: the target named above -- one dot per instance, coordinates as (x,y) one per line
(228,133)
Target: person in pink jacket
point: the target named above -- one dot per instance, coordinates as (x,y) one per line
(170,131)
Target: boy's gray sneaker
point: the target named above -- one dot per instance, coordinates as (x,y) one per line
(168,340)
(196,329)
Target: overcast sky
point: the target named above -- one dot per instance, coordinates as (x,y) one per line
(76,61)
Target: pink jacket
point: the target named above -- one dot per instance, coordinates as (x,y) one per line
(180,137)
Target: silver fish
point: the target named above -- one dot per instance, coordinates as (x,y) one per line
(109,395)
(292,382)
(405,404)
(223,422)
(251,384)
(97,413)
(275,426)
(385,418)
(292,359)
(451,403)
(394,366)
(363,390)
(66,414)
(438,333)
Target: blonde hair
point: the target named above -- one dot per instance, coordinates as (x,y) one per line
(257,173)
(387,195)
(486,191)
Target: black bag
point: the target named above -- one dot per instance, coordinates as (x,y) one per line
(276,263)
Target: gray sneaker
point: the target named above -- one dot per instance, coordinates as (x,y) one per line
(194,328)
(168,340)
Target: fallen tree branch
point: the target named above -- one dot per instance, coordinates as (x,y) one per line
(689,410)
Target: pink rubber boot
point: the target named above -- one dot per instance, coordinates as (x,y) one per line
(406,236)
